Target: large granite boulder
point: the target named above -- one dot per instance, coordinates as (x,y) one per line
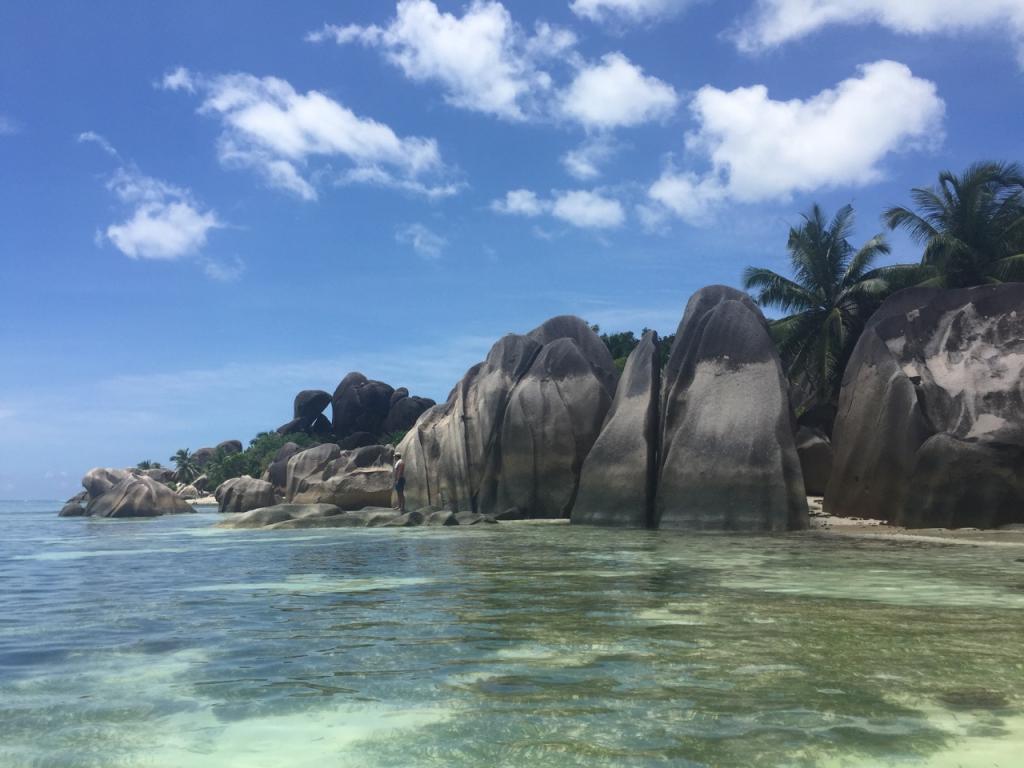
(619,475)
(229,447)
(137,496)
(591,348)
(360,405)
(357,440)
(161,475)
(201,483)
(934,395)
(277,472)
(309,404)
(101,479)
(292,427)
(203,456)
(815,452)
(403,413)
(728,460)
(452,455)
(72,509)
(554,416)
(278,513)
(242,494)
(346,479)
(188,492)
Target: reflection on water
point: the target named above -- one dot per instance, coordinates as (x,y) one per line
(163,643)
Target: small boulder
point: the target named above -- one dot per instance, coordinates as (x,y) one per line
(242,494)
(188,492)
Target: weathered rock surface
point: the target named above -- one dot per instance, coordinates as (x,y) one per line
(360,405)
(72,509)
(619,475)
(357,440)
(554,415)
(201,483)
(403,413)
(292,516)
(264,516)
(277,472)
(188,492)
(101,479)
(161,475)
(348,479)
(137,496)
(292,427)
(933,364)
(728,460)
(815,452)
(309,404)
(202,456)
(242,494)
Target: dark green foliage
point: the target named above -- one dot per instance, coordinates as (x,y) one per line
(831,296)
(147,464)
(394,438)
(255,459)
(971,226)
(185,465)
(621,344)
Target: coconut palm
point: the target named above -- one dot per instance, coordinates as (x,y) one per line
(971,225)
(832,293)
(185,465)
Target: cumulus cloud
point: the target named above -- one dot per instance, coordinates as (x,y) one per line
(278,132)
(178,80)
(762,149)
(778,21)
(581,208)
(166,222)
(585,161)
(483,60)
(424,241)
(633,11)
(616,93)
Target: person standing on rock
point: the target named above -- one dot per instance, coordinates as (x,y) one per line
(400,482)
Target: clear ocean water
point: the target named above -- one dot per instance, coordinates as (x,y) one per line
(169,643)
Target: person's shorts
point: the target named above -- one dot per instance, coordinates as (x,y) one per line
(400,485)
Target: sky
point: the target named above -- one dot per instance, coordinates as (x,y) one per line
(208,207)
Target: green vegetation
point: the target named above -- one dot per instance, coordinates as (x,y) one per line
(147,464)
(621,344)
(394,438)
(831,296)
(185,466)
(971,226)
(255,459)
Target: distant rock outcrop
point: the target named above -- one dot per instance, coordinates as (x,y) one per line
(930,430)
(728,460)
(360,405)
(229,447)
(309,404)
(619,476)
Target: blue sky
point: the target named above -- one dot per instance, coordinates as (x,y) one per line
(209,206)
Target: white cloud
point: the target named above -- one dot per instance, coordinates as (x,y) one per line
(7,126)
(616,93)
(275,130)
(581,208)
(178,80)
(761,149)
(521,202)
(166,222)
(483,60)
(227,271)
(634,11)
(91,137)
(778,21)
(585,161)
(425,242)
(588,210)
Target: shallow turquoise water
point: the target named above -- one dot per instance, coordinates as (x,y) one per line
(169,643)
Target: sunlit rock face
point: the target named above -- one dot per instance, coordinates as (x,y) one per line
(242,494)
(137,496)
(728,459)
(516,428)
(346,479)
(618,479)
(933,364)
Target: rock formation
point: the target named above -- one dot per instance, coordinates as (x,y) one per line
(728,460)
(137,496)
(619,476)
(930,427)
(309,404)
(360,405)
(346,479)
(242,494)
(815,452)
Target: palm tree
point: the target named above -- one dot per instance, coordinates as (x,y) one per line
(147,464)
(971,226)
(831,295)
(185,465)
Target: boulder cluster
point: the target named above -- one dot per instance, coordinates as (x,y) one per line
(544,427)
(124,493)
(363,412)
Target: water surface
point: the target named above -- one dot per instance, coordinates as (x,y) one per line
(167,643)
